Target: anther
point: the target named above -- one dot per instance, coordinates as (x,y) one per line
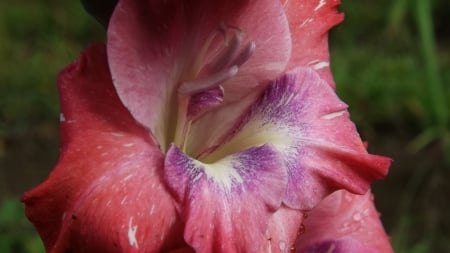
(227,55)
(245,54)
(208,82)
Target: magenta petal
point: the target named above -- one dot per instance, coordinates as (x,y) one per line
(106,192)
(227,204)
(344,223)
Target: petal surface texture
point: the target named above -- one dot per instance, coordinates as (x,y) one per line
(301,116)
(285,226)
(105,194)
(154,47)
(344,223)
(227,204)
(310,22)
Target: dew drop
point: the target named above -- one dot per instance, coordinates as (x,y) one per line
(357,216)
(351,226)
(305,215)
(301,230)
(282,245)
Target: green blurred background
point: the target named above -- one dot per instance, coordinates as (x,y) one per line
(391,61)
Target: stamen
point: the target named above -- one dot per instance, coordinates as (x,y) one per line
(208,82)
(227,55)
(245,54)
(201,89)
(197,66)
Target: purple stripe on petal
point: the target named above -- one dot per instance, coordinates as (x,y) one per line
(227,204)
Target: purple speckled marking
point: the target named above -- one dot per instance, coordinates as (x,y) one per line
(254,161)
(252,165)
(293,105)
(280,104)
(214,208)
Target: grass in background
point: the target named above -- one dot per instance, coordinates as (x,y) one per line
(385,59)
(389,67)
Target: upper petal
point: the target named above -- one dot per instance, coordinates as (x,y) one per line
(300,114)
(105,194)
(344,223)
(310,22)
(153,46)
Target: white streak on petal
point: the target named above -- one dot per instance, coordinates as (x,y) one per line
(132,234)
(308,20)
(127,145)
(127,177)
(333,115)
(61,117)
(320,5)
(123,200)
(319,64)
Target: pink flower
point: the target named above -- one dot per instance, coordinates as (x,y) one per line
(207,126)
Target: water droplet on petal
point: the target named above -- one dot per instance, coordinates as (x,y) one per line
(301,230)
(357,216)
(282,245)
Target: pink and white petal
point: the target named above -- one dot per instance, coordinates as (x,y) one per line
(226,205)
(285,226)
(300,114)
(153,46)
(105,194)
(344,222)
(310,22)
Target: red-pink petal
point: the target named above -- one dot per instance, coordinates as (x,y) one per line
(227,204)
(153,46)
(310,22)
(105,194)
(344,223)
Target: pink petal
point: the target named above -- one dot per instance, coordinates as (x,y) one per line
(105,194)
(285,226)
(153,46)
(344,223)
(310,21)
(300,114)
(227,204)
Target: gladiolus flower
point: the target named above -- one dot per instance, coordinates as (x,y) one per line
(204,126)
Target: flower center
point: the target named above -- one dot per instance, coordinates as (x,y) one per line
(203,89)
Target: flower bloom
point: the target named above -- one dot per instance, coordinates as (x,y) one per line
(209,126)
